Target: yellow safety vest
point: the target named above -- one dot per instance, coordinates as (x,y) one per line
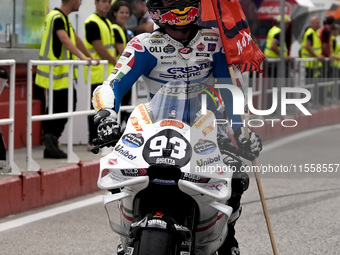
(107,38)
(60,73)
(270,37)
(316,47)
(122,35)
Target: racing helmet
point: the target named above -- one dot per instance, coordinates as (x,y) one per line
(179,15)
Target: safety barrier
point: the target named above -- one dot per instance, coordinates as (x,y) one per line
(322,81)
(10,167)
(32,165)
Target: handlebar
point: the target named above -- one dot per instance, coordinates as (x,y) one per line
(238,151)
(96,148)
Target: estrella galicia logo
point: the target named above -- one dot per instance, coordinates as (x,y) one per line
(133,140)
(204,147)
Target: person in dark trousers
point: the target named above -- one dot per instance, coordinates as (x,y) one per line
(100,41)
(59,42)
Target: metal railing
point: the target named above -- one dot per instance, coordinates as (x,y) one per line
(32,165)
(12,168)
(323,84)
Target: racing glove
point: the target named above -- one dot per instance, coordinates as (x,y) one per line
(252,144)
(108,130)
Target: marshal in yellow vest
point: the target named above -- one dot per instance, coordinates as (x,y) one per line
(107,38)
(316,47)
(270,37)
(60,73)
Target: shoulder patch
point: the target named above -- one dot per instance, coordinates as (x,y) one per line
(136,44)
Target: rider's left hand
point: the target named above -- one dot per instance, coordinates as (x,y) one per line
(252,144)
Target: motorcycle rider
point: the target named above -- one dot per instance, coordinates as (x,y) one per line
(177,50)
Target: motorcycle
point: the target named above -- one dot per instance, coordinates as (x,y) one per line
(168,175)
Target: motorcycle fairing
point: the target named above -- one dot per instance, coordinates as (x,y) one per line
(127,162)
(128,152)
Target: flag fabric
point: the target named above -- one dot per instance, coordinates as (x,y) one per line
(228,16)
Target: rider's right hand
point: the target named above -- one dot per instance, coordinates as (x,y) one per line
(108,128)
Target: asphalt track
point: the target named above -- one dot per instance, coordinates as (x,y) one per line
(303,204)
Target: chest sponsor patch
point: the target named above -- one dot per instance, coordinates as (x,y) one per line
(156,41)
(200,47)
(169,49)
(185,50)
(211,46)
(200,54)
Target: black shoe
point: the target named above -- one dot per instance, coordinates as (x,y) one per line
(50,139)
(54,154)
(52,149)
(230,245)
(50,142)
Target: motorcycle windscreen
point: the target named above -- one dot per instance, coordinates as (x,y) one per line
(181,101)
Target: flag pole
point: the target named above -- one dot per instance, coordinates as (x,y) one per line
(257,177)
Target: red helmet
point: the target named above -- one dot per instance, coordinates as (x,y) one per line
(179,15)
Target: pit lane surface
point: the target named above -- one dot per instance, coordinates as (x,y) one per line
(304,208)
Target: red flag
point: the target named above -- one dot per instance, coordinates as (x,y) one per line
(240,49)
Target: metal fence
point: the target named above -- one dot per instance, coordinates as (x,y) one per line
(32,165)
(321,78)
(9,167)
